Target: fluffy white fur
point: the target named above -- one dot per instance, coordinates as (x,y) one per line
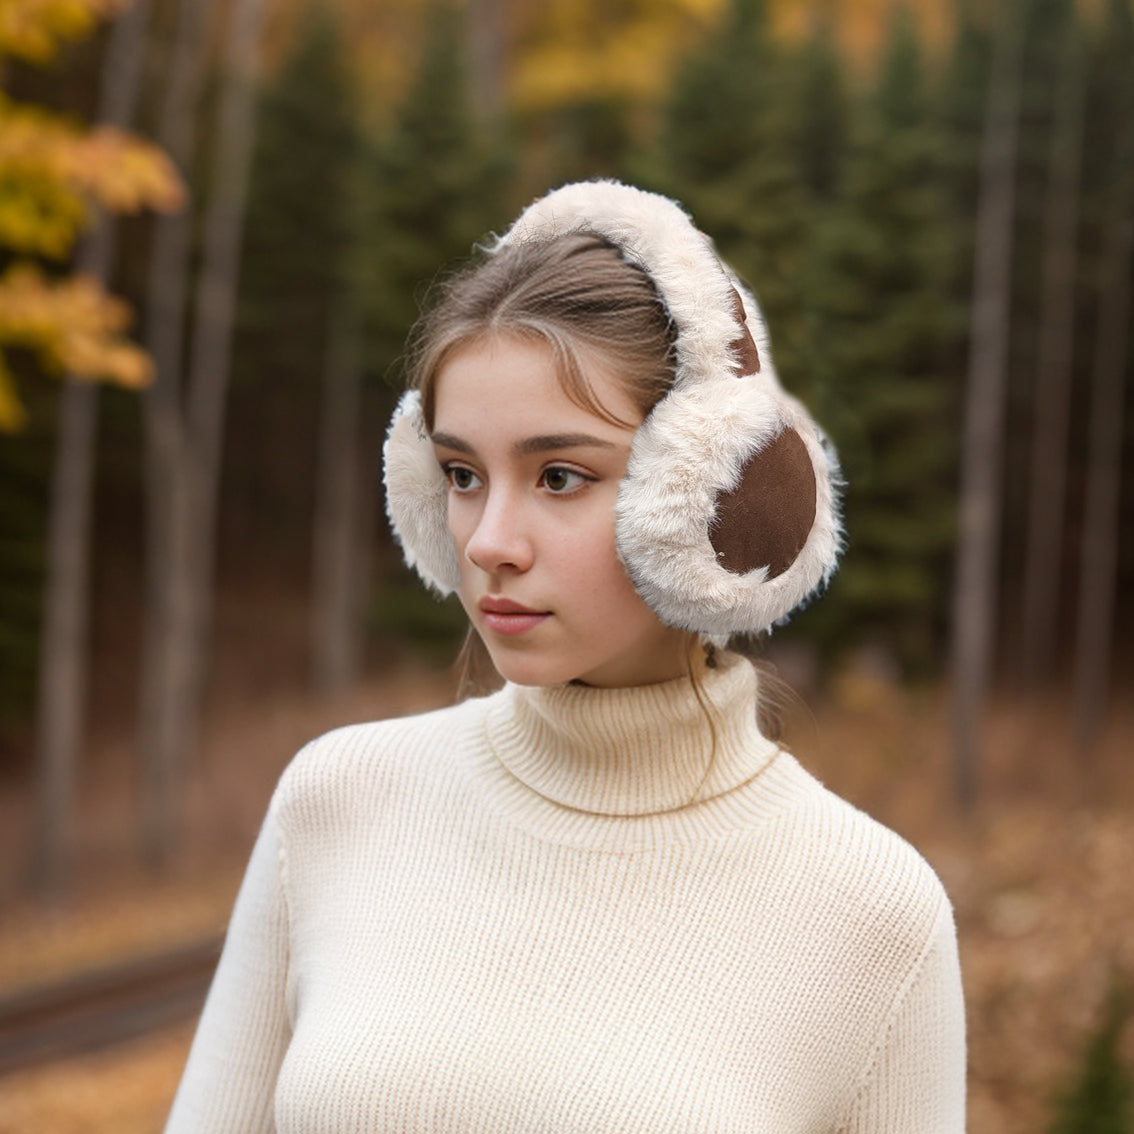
(658,236)
(692,447)
(417,498)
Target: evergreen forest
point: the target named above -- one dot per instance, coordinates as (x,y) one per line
(219,221)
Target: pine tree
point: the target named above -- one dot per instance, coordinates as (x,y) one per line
(823,115)
(436,182)
(298,348)
(732,149)
(301,230)
(882,315)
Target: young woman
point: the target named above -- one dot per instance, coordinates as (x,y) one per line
(599,899)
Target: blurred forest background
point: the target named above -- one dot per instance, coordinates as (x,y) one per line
(217,221)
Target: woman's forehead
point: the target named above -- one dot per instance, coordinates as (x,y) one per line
(510,384)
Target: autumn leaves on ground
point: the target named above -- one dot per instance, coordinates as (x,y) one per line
(1039,875)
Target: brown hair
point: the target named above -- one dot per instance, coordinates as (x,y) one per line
(577,294)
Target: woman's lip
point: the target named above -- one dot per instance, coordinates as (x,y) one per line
(504,616)
(492,605)
(502,623)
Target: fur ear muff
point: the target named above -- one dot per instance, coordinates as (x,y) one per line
(417,498)
(765,520)
(730,466)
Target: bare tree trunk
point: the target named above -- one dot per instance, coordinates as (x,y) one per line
(486,21)
(63,653)
(974,600)
(160,729)
(1101,523)
(186,432)
(336,630)
(215,311)
(1048,482)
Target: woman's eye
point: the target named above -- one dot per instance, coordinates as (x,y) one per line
(562,480)
(462,479)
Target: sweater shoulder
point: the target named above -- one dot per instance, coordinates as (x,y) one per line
(868,871)
(354,761)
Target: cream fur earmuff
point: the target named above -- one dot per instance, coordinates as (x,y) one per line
(727,517)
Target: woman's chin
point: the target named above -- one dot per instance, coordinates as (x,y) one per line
(531,671)
(607,673)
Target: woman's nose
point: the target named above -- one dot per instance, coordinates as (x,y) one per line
(499,540)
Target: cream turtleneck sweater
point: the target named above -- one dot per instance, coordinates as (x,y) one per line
(544,911)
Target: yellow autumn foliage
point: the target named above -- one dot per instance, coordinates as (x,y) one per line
(49,168)
(574,51)
(53,173)
(33,29)
(562,52)
(72,325)
(579,50)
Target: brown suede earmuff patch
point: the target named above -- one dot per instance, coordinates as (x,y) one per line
(747,356)
(765,520)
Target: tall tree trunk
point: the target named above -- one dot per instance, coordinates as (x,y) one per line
(187,432)
(63,659)
(487,21)
(974,599)
(336,631)
(214,316)
(160,729)
(1101,522)
(1048,482)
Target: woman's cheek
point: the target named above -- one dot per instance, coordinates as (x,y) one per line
(458,518)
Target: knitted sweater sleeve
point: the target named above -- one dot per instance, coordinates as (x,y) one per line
(230,1077)
(915,1083)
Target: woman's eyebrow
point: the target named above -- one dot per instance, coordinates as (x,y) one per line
(543,443)
(551,441)
(448,441)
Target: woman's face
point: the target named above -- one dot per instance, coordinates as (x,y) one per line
(532,485)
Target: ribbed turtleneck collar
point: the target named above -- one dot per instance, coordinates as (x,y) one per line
(644,750)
